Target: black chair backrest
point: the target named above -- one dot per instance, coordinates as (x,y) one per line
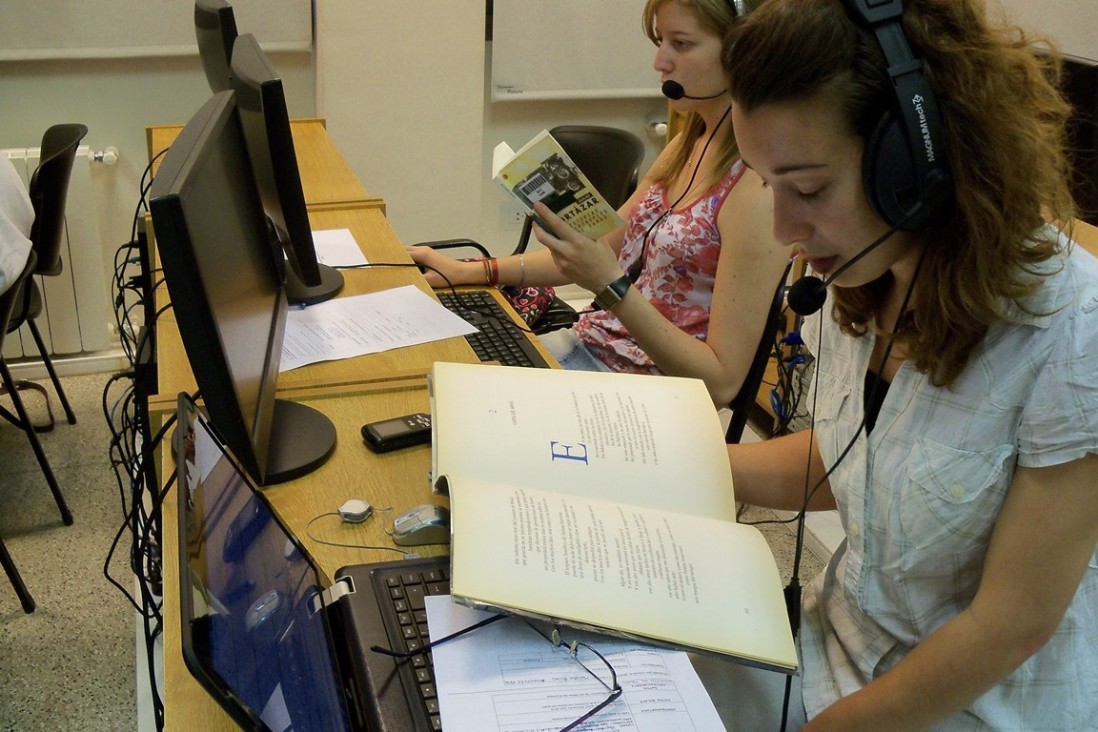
(9,296)
(49,188)
(608,156)
(741,405)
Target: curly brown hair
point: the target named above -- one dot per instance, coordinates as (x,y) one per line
(1004,128)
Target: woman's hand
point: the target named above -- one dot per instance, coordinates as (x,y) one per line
(590,264)
(437,265)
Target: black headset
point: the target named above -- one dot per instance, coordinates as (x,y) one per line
(904,170)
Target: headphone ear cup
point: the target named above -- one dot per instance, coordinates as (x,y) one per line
(888,174)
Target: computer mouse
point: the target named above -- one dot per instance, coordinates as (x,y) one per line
(425,524)
(263,609)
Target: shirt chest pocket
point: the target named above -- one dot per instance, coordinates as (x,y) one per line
(836,423)
(951,497)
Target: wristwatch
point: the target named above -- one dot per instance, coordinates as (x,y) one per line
(612,294)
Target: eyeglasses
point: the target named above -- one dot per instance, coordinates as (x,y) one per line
(594,663)
(590,660)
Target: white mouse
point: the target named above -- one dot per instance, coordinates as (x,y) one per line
(425,524)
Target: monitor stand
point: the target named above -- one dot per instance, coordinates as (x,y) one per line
(298,293)
(302,439)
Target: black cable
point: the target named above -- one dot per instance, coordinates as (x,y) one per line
(127,422)
(638,264)
(486,311)
(793,589)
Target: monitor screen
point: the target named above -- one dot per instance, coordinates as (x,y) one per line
(215,30)
(267,131)
(248,596)
(1080,87)
(225,284)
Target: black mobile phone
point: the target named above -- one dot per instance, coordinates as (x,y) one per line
(393,434)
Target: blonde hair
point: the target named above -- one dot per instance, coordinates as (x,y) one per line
(717,17)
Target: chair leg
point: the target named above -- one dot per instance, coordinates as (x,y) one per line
(28,428)
(69,414)
(21,590)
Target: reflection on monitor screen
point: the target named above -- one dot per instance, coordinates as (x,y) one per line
(249,629)
(266,123)
(215,30)
(225,284)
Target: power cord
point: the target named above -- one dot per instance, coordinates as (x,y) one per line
(350,515)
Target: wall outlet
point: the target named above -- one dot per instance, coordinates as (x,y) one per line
(511,216)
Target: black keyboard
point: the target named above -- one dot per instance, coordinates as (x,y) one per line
(406,625)
(498,338)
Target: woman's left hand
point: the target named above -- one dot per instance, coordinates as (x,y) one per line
(590,264)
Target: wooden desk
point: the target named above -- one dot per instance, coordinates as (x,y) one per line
(325,175)
(380,244)
(1086,235)
(398,480)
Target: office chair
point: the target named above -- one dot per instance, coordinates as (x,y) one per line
(611,160)
(49,188)
(745,398)
(21,419)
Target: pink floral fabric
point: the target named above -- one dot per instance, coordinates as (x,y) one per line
(680,267)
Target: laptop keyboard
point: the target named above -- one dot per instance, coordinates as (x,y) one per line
(406,586)
(498,339)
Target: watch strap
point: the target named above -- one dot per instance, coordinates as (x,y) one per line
(613,293)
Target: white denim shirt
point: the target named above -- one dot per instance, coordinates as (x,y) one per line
(919,497)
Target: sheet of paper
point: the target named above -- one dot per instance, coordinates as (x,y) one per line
(352,326)
(337,248)
(505,677)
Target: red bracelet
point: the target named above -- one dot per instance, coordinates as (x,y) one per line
(493,264)
(487,271)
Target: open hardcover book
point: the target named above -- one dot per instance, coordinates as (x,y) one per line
(542,171)
(605,502)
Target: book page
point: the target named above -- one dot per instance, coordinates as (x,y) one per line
(646,440)
(688,581)
(542,171)
(501,155)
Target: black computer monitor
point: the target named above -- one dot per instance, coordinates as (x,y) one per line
(215,30)
(225,283)
(266,122)
(1080,87)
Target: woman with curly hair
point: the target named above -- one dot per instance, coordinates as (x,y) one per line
(956,403)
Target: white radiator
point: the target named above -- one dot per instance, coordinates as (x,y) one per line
(78,311)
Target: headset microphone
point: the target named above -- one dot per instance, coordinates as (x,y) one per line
(673,90)
(807,295)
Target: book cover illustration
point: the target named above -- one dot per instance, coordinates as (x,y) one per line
(542,171)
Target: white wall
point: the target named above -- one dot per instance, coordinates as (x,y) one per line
(116,99)
(400,85)
(1073,24)
(404,86)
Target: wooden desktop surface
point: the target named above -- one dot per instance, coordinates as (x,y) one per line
(380,244)
(325,175)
